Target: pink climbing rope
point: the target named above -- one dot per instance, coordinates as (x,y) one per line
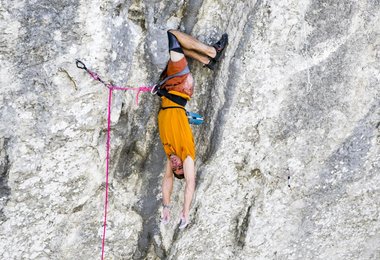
(138,89)
(107,168)
(110,87)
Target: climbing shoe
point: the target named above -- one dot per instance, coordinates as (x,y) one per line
(219,47)
(211,65)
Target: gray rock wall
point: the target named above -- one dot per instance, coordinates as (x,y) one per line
(297,95)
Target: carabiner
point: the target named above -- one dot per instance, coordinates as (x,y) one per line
(154,89)
(80,64)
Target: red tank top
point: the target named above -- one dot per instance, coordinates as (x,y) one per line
(183,84)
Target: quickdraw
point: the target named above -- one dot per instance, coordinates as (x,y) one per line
(95,76)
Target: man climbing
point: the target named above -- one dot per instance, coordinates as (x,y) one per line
(175,132)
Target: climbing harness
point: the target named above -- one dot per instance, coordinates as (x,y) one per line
(194,118)
(176,99)
(163,92)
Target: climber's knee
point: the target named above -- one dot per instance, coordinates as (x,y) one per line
(173,42)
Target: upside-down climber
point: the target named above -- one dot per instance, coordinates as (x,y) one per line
(175,132)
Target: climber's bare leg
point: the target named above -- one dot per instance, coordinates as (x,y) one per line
(190,43)
(197,56)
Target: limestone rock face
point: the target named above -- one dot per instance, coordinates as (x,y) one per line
(287,161)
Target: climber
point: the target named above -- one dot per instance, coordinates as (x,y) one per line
(175,132)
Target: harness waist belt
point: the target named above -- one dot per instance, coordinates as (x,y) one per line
(176,99)
(164,108)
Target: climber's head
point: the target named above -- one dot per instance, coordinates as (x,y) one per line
(176,166)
